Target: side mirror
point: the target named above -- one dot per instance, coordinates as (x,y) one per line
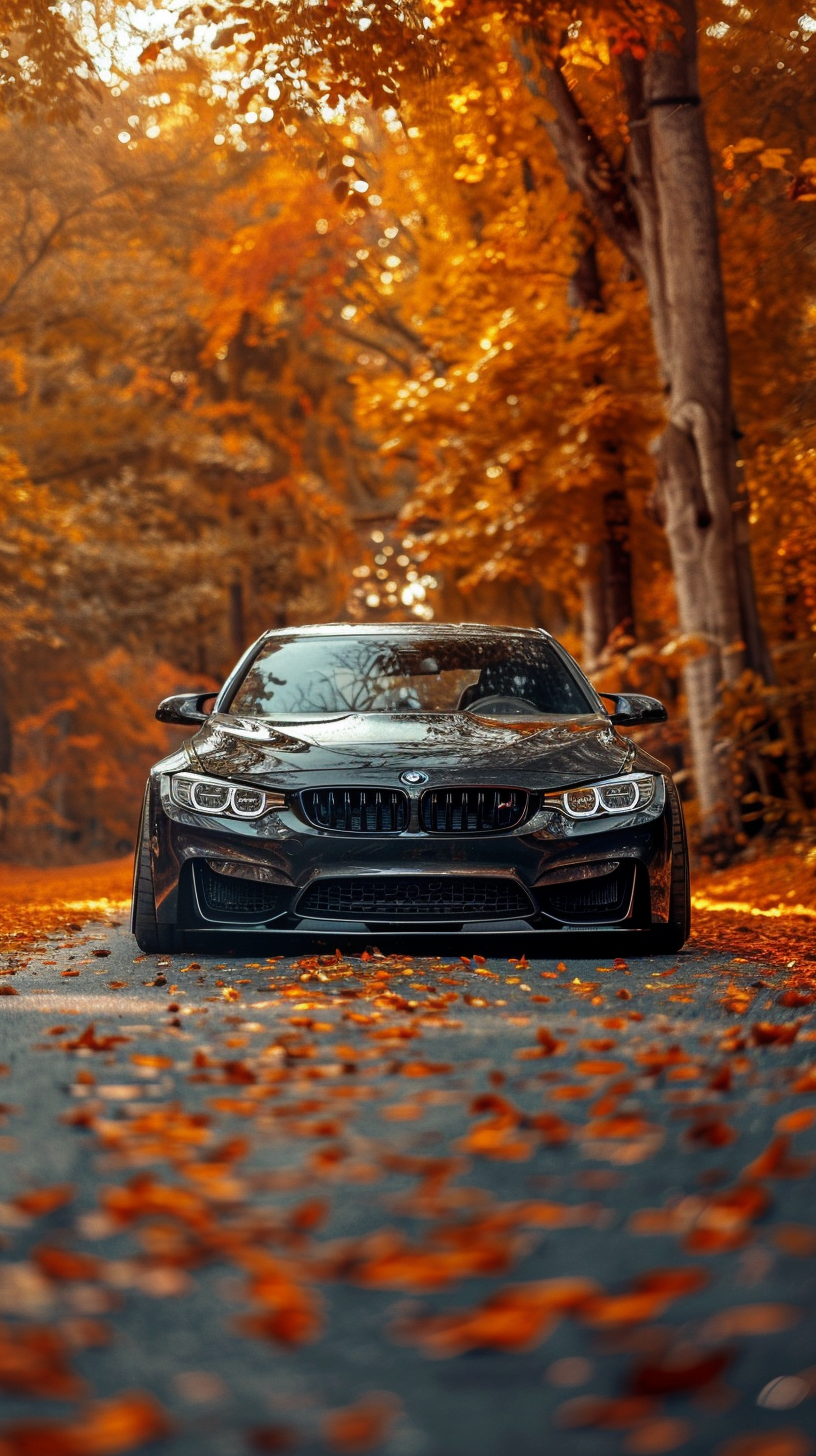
(633,708)
(186,710)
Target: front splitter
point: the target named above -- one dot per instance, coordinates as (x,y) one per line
(481,940)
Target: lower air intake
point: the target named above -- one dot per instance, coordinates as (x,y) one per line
(225,895)
(415,898)
(587,902)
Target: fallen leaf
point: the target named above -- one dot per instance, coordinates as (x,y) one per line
(623,1125)
(34,1361)
(723,1221)
(775,1162)
(44,1200)
(711,1132)
(773,1033)
(614,1310)
(665,1433)
(292,1324)
(548,1044)
(364,1425)
(517,1317)
(795,1238)
(599,1068)
(797,1121)
(103,1429)
(680,1367)
(787,1442)
(720,1080)
(674,1281)
(651,1295)
(425,1069)
(785,1391)
(64,1264)
(593,1410)
(270,1438)
(750,1319)
(89,1041)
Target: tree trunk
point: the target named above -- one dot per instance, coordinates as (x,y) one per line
(661,212)
(757,654)
(697,447)
(59,826)
(669,172)
(593,613)
(607,571)
(698,372)
(237,629)
(6,746)
(585,290)
(682,514)
(616,564)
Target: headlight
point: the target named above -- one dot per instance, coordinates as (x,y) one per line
(615,796)
(217,796)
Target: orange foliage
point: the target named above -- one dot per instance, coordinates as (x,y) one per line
(335,355)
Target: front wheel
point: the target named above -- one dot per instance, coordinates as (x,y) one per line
(149,935)
(672,936)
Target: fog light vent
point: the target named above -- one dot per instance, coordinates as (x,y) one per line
(594,901)
(226,896)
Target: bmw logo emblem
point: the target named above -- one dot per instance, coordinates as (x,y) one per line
(413,776)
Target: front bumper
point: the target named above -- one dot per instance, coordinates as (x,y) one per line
(281,874)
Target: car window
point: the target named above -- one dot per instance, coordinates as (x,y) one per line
(501,676)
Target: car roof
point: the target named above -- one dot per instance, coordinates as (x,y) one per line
(420,629)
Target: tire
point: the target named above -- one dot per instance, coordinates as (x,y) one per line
(149,935)
(672,936)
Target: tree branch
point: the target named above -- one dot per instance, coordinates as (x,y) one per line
(64,218)
(641,188)
(375,346)
(587,168)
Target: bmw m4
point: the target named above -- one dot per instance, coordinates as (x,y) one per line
(403,778)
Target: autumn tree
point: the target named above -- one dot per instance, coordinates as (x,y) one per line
(284,282)
(526,408)
(178,423)
(631,140)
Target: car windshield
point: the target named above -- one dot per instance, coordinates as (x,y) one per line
(495,676)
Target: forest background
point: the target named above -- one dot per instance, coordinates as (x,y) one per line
(309,313)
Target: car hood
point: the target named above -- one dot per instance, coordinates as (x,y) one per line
(369,748)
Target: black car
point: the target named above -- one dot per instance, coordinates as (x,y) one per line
(401,778)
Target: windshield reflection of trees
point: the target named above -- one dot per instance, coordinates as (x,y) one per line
(314,676)
(350,681)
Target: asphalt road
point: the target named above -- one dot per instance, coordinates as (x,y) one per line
(323,1202)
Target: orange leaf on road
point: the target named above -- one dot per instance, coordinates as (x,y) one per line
(786,1442)
(362,1426)
(517,1317)
(105,1428)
